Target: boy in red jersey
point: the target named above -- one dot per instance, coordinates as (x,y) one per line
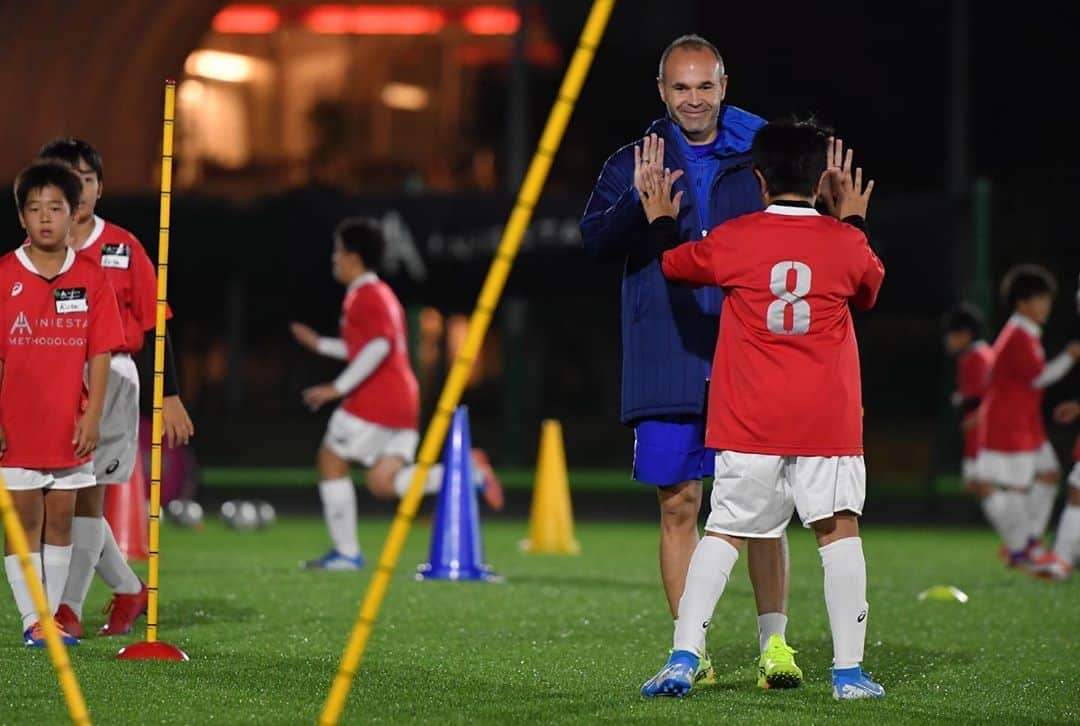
(376,424)
(1016,457)
(974,361)
(59,313)
(132,275)
(785,401)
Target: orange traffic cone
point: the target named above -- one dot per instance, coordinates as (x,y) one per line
(126,513)
(551,521)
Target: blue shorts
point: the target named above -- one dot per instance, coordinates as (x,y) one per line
(671,450)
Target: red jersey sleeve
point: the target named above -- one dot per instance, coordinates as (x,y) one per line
(873,275)
(701,263)
(143,288)
(365,319)
(974,376)
(106,332)
(1024,356)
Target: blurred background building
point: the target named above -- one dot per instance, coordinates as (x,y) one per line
(292,115)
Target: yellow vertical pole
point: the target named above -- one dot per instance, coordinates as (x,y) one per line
(159,361)
(16,536)
(452,391)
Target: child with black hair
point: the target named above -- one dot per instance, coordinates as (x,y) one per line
(132,275)
(376,423)
(785,403)
(974,359)
(59,315)
(1017,458)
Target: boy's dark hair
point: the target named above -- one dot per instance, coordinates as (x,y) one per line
(791,155)
(964,317)
(43,174)
(692,41)
(69,150)
(1023,282)
(363,237)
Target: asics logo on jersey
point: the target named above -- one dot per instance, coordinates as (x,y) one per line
(21,325)
(16,289)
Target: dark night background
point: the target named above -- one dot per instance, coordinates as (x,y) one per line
(932,95)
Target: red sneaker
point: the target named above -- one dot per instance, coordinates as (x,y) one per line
(493,491)
(1054,568)
(69,621)
(123,610)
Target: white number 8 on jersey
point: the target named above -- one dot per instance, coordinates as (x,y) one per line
(800,309)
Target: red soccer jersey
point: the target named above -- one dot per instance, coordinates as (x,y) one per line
(132,275)
(1076,450)
(1012,409)
(52,328)
(972,380)
(390,396)
(785,376)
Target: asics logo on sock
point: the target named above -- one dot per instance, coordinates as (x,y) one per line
(862,616)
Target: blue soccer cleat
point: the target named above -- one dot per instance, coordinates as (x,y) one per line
(851,683)
(34,636)
(676,678)
(334,560)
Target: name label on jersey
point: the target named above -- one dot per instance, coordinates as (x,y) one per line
(117,257)
(70,300)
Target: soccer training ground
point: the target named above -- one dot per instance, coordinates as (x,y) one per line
(563,640)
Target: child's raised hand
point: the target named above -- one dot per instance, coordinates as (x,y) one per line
(656,198)
(845,196)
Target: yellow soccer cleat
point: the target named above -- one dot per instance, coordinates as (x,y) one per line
(776,667)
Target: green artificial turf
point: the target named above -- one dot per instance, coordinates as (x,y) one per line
(564,640)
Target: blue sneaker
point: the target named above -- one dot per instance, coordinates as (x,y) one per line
(334,560)
(34,636)
(850,683)
(676,678)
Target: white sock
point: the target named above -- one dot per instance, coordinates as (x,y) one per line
(1007,513)
(56,561)
(710,568)
(339,510)
(24,601)
(87,541)
(432,484)
(768,625)
(112,566)
(845,599)
(1040,502)
(1067,543)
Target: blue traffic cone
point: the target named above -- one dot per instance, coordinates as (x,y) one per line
(457,552)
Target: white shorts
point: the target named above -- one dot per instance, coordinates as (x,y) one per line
(754,495)
(1074,476)
(21,480)
(355,439)
(969,470)
(114,458)
(1016,468)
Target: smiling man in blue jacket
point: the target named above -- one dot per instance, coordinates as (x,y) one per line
(669,332)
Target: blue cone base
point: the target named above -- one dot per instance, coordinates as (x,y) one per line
(446,572)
